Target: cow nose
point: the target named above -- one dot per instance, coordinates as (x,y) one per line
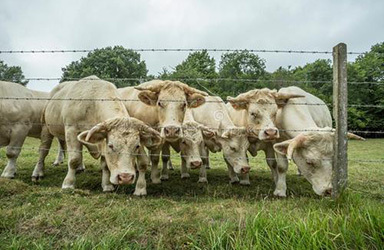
(196,164)
(125,178)
(271,133)
(328,192)
(172,131)
(245,170)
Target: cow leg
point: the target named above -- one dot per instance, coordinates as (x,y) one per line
(279,166)
(106,174)
(232,175)
(142,163)
(60,153)
(155,174)
(75,157)
(45,145)
(184,170)
(17,138)
(165,157)
(203,170)
(170,166)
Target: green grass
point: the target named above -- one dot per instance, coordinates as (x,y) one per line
(185,214)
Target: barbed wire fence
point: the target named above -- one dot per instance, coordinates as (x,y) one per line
(339,106)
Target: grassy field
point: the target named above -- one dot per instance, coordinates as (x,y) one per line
(184,214)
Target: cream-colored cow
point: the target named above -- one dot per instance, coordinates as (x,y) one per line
(256,110)
(161,104)
(310,138)
(231,139)
(77,114)
(19,119)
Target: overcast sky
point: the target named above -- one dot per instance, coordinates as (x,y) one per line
(251,24)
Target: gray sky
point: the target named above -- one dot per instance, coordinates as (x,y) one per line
(266,24)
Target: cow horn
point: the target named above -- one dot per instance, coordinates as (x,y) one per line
(98,128)
(353,136)
(286,96)
(189,90)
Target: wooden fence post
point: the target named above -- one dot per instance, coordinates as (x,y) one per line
(340,114)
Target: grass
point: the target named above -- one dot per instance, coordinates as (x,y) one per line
(184,214)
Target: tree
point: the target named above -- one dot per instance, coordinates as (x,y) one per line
(240,65)
(12,74)
(197,65)
(116,62)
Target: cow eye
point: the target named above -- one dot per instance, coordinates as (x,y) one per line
(183,106)
(183,142)
(309,162)
(110,146)
(233,148)
(254,115)
(137,146)
(160,104)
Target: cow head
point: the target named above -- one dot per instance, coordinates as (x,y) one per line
(261,107)
(171,99)
(313,154)
(234,143)
(120,140)
(191,143)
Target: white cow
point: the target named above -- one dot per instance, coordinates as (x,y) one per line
(306,123)
(231,139)
(104,127)
(161,104)
(256,110)
(19,119)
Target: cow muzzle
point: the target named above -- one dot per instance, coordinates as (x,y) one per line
(271,134)
(196,164)
(245,169)
(172,132)
(125,178)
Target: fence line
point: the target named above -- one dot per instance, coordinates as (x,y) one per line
(186,127)
(248,80)
(363,160)
(43,51)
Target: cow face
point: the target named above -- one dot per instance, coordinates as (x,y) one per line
(191,143)
(313,153)
(261,108)
(234,144)
(171,100)
(120,140)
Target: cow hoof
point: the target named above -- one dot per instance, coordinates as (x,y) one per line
(56,163)
(171,168)
(8,175)
(280,193)
(207,167)
(156,181)
(108,188)
(140,192)
(245,183)
(164,177)
(80,168)
(37,178)
(185,176)
(68,186)
(203,180)
(234,180)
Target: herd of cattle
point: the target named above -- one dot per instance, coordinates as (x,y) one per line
(118,125)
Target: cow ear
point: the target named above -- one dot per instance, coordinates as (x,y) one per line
(282,147)
(237,103)
(148,97)
(95,138)
(195,100)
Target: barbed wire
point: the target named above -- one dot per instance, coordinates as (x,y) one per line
(215,156)
(88,125)
(179,101)
(45,51)
(249,80)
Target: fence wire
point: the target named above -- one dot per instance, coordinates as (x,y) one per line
(215,156)
(44,51)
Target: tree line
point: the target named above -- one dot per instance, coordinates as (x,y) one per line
(202,71)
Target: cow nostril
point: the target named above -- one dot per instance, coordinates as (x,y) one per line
(196,163)
(328,192)
(245,170)
(125,178)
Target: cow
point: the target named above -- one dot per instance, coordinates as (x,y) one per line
(20,118)
(231,139)
(77,114)
(256,110)
(192,148)
(161,104)
(306,126)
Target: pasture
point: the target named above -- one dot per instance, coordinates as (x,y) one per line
(185,214)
